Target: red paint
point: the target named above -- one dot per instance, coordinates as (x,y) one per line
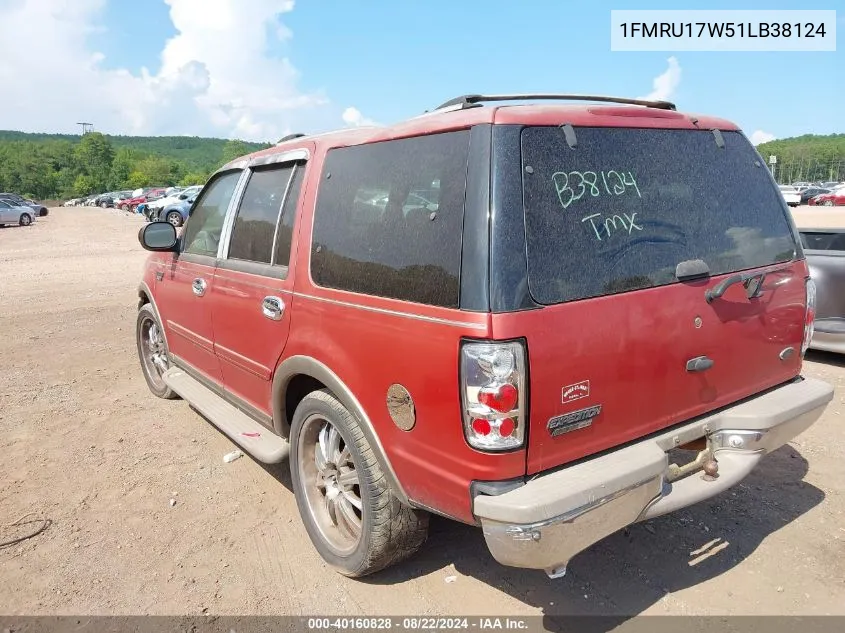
(640,381)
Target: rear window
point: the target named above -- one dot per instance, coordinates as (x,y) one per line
(623,207)
(823,241)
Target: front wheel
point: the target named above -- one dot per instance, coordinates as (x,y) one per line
(152,351)
(104,205)
(25,219)
(353,519)
(828,203)
(175,218)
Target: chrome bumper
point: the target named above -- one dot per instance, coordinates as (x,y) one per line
(544,523)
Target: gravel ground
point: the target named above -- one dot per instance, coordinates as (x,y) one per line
(147,519)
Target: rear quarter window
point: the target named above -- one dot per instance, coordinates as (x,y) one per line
(389,219)
(623,207)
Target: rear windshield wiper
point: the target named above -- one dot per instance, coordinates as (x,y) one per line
(692,269)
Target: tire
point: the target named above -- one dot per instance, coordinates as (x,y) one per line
(389,530)
(175,218)
(123,207)
(827,203)
(26,219)
(147,349)
(103,205)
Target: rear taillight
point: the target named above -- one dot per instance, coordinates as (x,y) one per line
(810,315)
(493,395)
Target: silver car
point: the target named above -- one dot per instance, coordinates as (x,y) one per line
(825,251)
(13,214)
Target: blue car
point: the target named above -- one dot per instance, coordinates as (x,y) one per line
(177,212)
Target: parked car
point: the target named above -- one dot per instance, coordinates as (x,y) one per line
(130,204)
(812,192)
(790,194)
(825,251)
(16,200)
(587,293)
(175,197)
(11,213)
(834,198)
(176,213)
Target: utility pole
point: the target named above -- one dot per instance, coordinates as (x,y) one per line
(86,128)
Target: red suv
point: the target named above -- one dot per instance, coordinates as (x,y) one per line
(548,320)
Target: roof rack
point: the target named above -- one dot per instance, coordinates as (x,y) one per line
(289,137)
(469,101)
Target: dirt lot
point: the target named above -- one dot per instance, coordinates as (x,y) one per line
(84,444)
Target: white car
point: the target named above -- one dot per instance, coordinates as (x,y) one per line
(179,196)
(13,214)
(790,194)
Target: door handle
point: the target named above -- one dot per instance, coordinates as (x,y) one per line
(273,308)
(198,286)
(701,363)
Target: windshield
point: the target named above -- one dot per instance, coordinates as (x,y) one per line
(624,206)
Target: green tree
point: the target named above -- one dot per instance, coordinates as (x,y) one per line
(234,149)
(121,167)
(84,185)
(193,178)
(95,155)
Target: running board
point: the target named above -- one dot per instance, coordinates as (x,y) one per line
(253,437)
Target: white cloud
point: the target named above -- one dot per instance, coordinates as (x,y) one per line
(353,118)
(759,136)
(217,75)
(666,83)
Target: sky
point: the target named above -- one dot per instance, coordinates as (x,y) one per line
(260,69)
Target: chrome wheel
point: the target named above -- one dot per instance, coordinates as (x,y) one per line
(153,352)
(331,484)
(175,219)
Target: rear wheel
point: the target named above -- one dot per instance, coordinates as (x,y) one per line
(104,205)
(352,517)
(26,219)
(152,351)
(828,203)
(175,218)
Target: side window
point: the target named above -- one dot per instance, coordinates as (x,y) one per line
(389,219)
(205,224)
(4,205)
(258,213)
(285,236)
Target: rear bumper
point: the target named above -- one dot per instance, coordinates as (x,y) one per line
(544,523)
(829,335)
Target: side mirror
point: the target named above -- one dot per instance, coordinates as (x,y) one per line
(182,196)
(158,236)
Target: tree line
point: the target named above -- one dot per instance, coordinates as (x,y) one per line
(810,157)
(54,166)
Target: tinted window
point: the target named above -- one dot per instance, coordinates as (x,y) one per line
(285,236)
(255,224)
(205,224)
(621,209)
(389,219)
(823,241)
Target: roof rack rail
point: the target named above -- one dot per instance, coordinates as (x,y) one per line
(289,137)
(469,101)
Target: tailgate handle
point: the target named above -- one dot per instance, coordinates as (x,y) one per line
(700,363)
(718,290)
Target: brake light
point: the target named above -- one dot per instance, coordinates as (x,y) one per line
(810,315)
(493,395)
